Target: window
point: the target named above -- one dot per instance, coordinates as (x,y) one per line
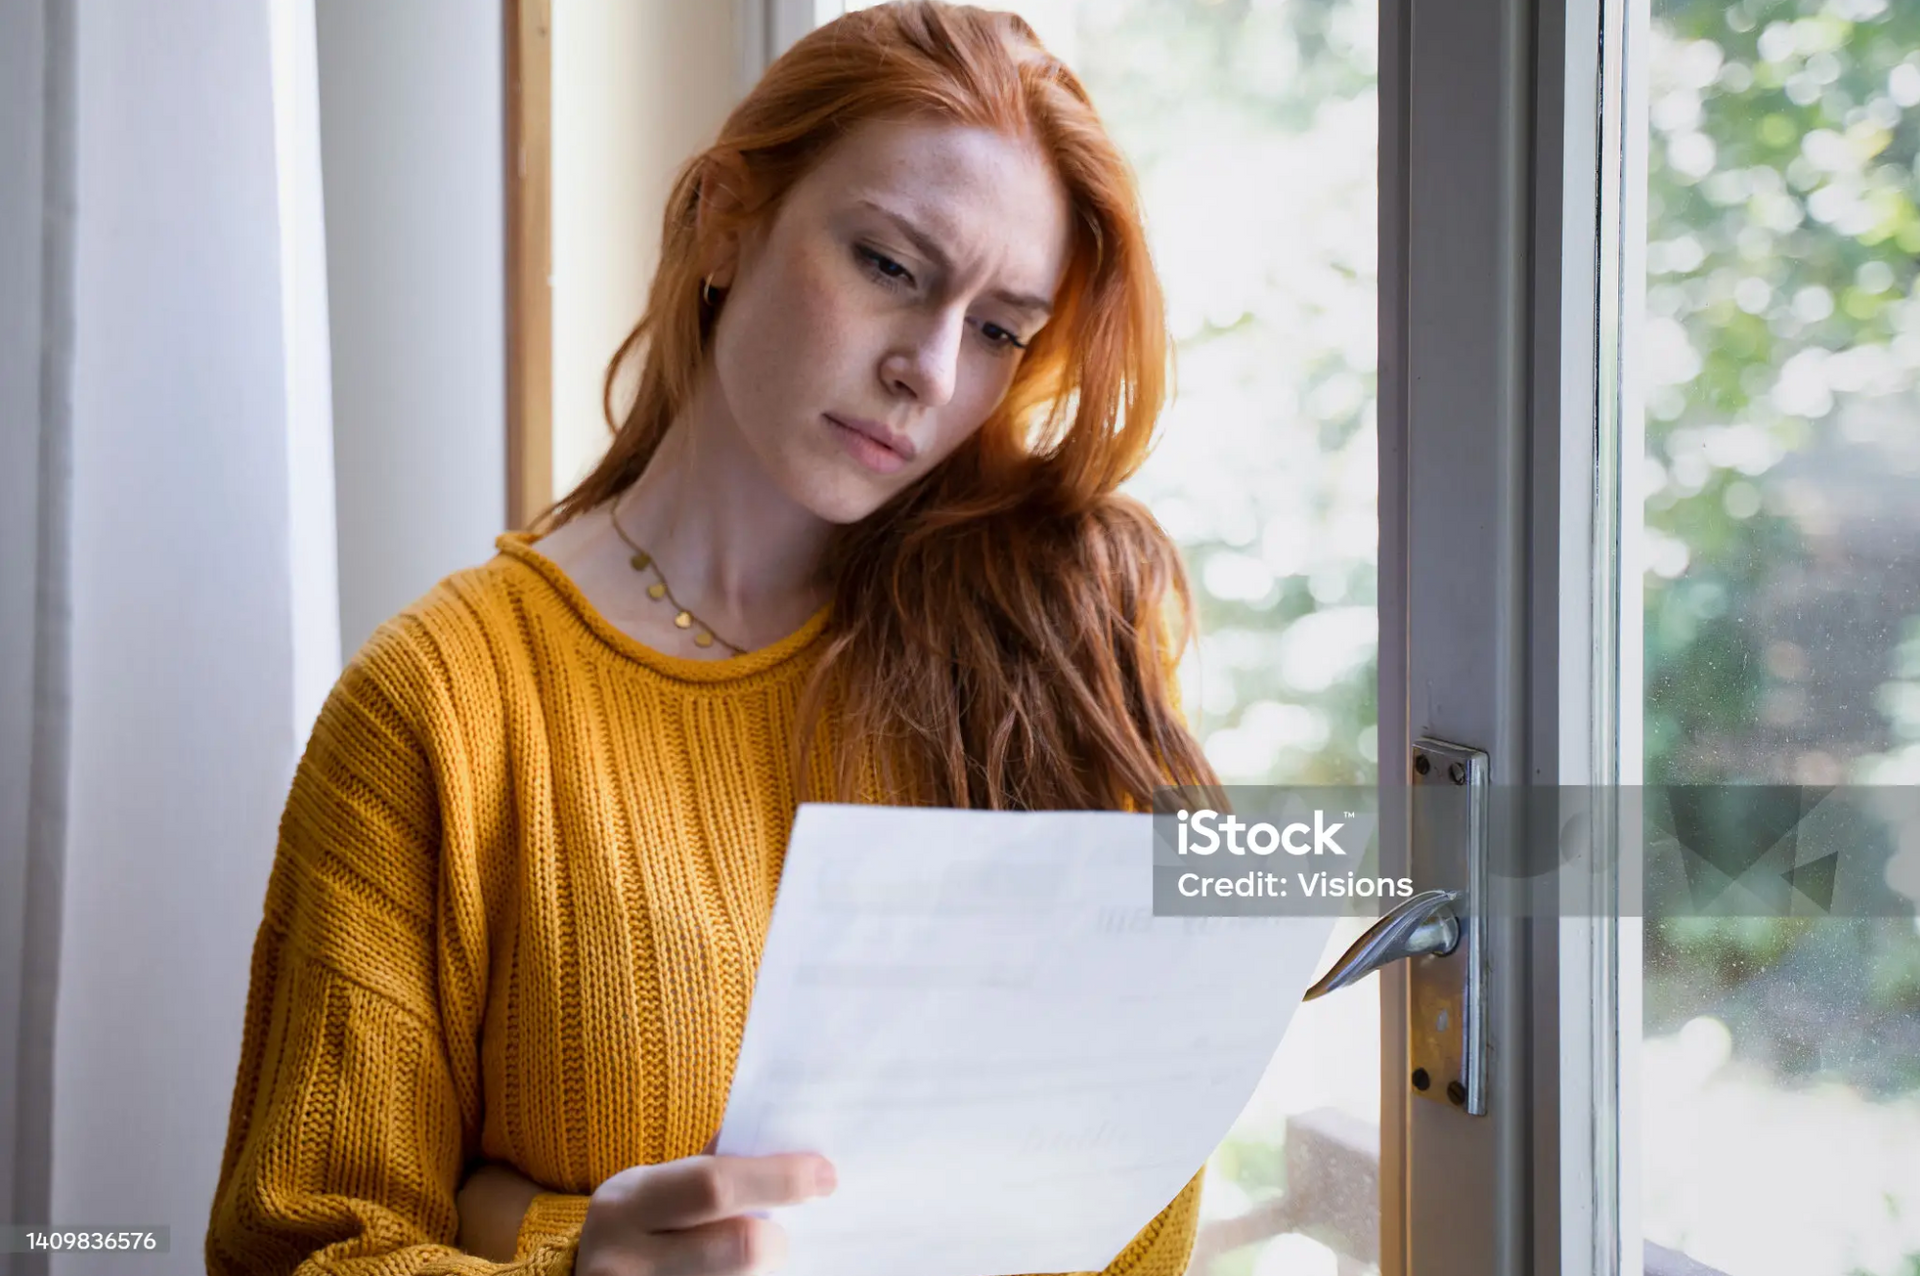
(1770,244)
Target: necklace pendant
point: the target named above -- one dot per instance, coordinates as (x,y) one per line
(656,590)
(684,619)
(641,561)
(703,639)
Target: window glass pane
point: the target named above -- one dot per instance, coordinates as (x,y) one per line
(1780,371)
(1252,126)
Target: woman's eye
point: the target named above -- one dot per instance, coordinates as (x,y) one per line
(890,272)
(884,266)
(999,336)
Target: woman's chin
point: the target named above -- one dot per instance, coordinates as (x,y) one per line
(841,499)
(838,497)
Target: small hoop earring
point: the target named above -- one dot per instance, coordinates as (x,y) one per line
(706,290)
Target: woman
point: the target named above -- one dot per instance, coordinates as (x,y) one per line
(857,538)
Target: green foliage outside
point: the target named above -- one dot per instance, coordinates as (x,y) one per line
(1783,511)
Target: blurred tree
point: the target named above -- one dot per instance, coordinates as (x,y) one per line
(1229,112)
(1782,232)
(1782,334)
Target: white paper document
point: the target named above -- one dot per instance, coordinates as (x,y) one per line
(1012,1064)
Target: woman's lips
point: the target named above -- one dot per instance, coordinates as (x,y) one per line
(875,455)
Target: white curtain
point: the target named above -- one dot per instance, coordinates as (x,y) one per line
(169,594)
(36,338)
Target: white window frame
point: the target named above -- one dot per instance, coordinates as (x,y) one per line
(1500,515)
(769,27)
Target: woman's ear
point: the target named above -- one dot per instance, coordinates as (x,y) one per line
(718,214)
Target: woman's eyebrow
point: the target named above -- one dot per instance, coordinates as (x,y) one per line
(925,243)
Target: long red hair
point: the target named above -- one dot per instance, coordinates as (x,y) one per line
(1004,630)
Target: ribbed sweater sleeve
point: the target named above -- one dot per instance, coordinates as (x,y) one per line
(554,1218)
(345,1142)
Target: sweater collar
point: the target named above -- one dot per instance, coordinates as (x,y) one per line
(518,546)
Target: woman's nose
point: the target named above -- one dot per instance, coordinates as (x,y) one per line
(927,364)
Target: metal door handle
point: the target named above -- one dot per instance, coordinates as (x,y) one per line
(1424,924)
(1445,997)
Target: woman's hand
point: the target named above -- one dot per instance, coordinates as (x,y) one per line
(690,1217)
(493,1203)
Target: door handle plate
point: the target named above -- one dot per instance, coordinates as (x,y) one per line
(1446,994)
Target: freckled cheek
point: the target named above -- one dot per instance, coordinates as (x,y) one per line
(986,384)
(979,393)
(823,304)
(794,340)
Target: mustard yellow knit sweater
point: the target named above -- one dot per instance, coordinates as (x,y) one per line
(522,882)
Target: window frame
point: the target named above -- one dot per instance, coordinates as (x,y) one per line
(1500,523)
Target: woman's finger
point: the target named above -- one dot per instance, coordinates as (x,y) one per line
(730,1247)
(704,1189)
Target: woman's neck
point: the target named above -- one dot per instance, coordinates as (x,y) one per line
(735,549)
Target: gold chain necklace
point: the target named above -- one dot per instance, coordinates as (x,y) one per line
(684,619)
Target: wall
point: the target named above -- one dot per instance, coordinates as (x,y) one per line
(411,119)
(638,87)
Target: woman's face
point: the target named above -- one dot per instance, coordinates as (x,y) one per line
(891,295)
